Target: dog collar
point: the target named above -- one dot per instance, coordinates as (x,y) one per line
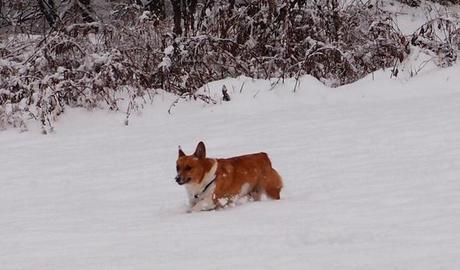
(196,196)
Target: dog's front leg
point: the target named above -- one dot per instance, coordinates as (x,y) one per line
(205,204)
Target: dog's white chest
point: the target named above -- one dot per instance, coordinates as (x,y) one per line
(195,192)
(203,201)
(200,195)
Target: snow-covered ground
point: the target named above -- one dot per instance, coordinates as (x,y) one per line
(371,172)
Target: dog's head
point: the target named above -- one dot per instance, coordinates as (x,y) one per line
(192,168)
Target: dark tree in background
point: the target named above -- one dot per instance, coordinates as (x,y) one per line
(189,9)
(184,15)
(155,6)
(176,5)
(86,10)
(48,9)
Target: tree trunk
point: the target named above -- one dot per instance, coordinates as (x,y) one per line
(158,7)
(191,12)
(188,14)
(184,10)
(271,9)
(176,5)
(86,11)
(48,8)
(184,14)
(155,6)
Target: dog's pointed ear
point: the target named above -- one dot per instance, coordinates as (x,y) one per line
(200,151)
(181,153)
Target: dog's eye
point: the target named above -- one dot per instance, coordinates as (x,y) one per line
(177,168)
(188,168)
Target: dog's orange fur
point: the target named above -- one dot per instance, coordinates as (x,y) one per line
(232,174)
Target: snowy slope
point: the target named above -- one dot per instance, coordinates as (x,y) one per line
(371,171)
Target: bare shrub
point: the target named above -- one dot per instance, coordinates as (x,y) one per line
(336,45)
(82,65)
(118,65)
(439,37)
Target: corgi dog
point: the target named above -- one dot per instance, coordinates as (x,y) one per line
(215,182)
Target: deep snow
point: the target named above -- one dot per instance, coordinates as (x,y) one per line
(371,174)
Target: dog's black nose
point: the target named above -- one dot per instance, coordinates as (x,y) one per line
(178,180)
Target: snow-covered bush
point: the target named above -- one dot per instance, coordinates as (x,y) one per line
(416,3)
(120,63)
(439,37)
(335,44)
(81,65)
(97,64)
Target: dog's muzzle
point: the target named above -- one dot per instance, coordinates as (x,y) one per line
(179,180)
